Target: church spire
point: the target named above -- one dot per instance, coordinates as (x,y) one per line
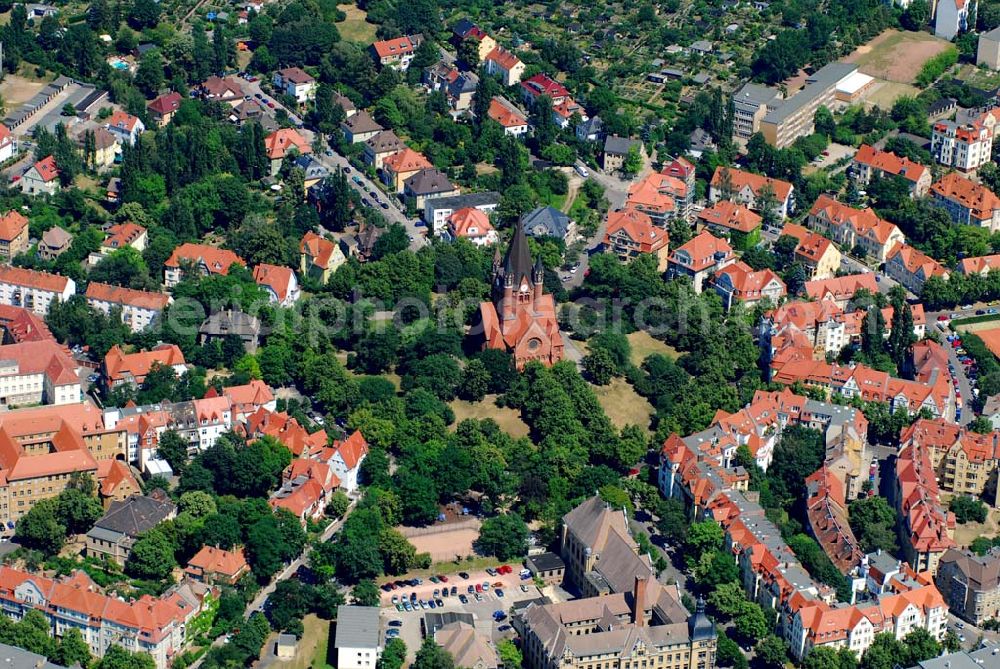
(517,263)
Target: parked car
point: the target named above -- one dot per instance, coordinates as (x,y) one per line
(442,578)
(439,602)
(463,599)
(504,628)
(463,575)
(499,593)
(491,571)
(395,623)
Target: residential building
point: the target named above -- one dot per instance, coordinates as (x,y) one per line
(854,228)
(163,108)
(428,184)
(872,163)
(967,145)
(345,103)
(793,118)
(563,113)
(396,53)
(928,528)
(501,62)
(288,431)
(841,289)
(400,166)
(157,626)
(988,49)
(733,221)
(54,242)
(467,647)
(23,658)
(120,235)
(204,259)
(967,203)
(952,17)
(280,283)
(751,104)
(296,83)
(228,322)
(224,89)
(283,143)
(437,210)
(590,130)
(116,482)
(8,144)
(970,584)
(381,146)
(305,489)
(18,324)
(542,84)
(828,520)
(13,234)
(975,659)
(549,222)
(38,372)
(981,265)
(467,30)
(472,224)
(106,146)
(139,309)
(246,399)
(510,118)
(729,183)
(816,253)
(738,282)
(965,463)
(125,126)
(358,641)
(359,127)
(42,178)
(114,535)
(912,268)
(215,565)
(461,89)
(666,194)
(319,257)
(313,171)
(131,368)
(700,258)
(33,290)
(631,233)
(521,317)
(616,151)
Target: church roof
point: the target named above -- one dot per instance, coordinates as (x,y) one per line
(517,263)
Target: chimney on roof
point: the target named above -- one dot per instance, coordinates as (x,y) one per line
(639,601)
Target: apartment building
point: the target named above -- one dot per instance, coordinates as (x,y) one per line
(662,197)
(296,83)
(981,265)
(38,372)
(319,257)
(733,221)
(120,368)
(751,104)
(841,289)
(967,203)
(911,268)
(114,534)
(396,53)
(13,235)
(699,258)
(358,641)
(854,228)
(870,163)
(511,119)
(201,258)
(509,67)
(738,282)
(157,626)
(139,309)
(964,462)
(793,118)
(967,145)
(815,252)
(729,183)
(970,584)
(33,290)
(928,528)
(631,233)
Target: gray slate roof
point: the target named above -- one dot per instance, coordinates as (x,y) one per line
(12,657)
(429,181)
(135,515)
(546,222)
(619,146)
(357,627)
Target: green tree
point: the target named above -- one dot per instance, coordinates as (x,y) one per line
(338,505)
(873,521)
(72,649)
(728,653)
(505,536)
(510,655)
(727,600)
(432,656)
(366,593)
(599,367)
(152,557)
(703,536)
(78,509)
(772,652)
(633,160)
(968,509)
(825,657)
(117,657)
(475,381)
(393,655)
(149,75)
(41,528)
(197,503)
(173,448)
(751,623)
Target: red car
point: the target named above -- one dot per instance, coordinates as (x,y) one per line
(504,569)
(942,317)
(443,578)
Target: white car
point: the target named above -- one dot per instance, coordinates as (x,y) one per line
(582,171)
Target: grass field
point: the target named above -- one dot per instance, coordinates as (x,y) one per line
(509,420)
(355,28)
(313,646)
(623,405)
(644,345)
(979,77)
(896,55)
(886,93)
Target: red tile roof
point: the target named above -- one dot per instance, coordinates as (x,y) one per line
(505,59)
(118,364)
(121,235)
(543,84)
(123,121)
(463,221)
(740,179)
(406,160)
(978,199)
(505,114)
(280,142)
(12,224)
(139,299)
(639,228)
(46,168)
(29,278)
(702,250)
(319,248)
(165,104)
(730,215)
(889,162)
(842,287)
(216,260)
(394,47)
(278,279)
(212,560)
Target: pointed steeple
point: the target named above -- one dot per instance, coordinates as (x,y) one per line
(517,263)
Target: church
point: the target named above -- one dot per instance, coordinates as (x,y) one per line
(521,318)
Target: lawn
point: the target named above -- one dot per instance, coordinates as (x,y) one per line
(966,532)
(979,77)
(355,28)
(886,93)
(896,55)
(644,345)
(623,405)
(509,420)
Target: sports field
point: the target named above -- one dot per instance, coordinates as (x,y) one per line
(897,55)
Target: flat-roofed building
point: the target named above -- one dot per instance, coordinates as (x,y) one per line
(794,117)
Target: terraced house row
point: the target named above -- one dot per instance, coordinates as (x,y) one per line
(698,469)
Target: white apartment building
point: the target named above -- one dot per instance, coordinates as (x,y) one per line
(140,309)
(359,638)
(33,290)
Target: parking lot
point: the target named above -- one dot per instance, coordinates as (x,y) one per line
(409,622)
